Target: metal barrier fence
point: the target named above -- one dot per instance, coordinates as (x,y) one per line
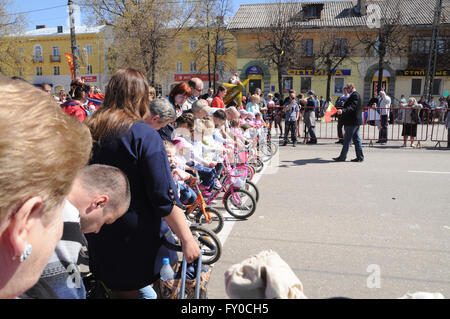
(431,125)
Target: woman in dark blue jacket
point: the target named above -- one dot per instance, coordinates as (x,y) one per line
(124,254)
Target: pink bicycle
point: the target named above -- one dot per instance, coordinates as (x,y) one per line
(237,201)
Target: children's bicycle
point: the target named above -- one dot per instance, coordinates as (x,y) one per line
(200,212)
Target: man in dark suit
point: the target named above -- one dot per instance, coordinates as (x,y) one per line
(352,120)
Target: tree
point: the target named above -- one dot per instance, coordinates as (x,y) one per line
(334,50)
(142,31)
(214,40)
(12,61)
(279,43)
(386,35)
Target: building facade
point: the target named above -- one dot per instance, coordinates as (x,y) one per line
(48,46)
(403,74)
(189,58)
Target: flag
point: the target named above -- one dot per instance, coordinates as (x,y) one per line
(69,58)
(331,110)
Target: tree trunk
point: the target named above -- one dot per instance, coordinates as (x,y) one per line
(280,83)
(328,84)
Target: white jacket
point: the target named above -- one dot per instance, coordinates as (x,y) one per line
(384,103)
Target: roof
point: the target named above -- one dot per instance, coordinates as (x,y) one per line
(66,31)
(335,13)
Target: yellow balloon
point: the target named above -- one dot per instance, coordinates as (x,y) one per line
(234,91)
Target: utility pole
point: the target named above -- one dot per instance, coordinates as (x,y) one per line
(73,42)
(433,52)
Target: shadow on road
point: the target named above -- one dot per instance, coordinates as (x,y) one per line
(305,162)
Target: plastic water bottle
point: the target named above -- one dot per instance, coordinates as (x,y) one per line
(166,272)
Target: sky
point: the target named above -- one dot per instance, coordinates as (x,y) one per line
(54,12)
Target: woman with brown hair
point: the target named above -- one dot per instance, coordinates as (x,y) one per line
(124,255)
(177,97)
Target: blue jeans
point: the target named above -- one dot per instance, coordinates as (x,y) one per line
(352,133)
(187,195)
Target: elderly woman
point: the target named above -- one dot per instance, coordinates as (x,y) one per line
(200,109)
(42,150)
(161,114)
(124,255)
(410,120)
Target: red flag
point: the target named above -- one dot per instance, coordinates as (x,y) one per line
(69,58)
(331,110)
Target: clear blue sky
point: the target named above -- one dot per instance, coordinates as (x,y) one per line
(59,14)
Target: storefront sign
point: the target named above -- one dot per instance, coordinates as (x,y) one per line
(90,78)
(187,77)
(344,72)
(253,70)
(421,73)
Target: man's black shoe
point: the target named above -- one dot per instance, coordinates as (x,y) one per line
(338,159)
(311,142)
(357,160)
(379,142)
(294,145)
(339,142)
(284,144)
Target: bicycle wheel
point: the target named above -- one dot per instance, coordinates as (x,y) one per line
(216,223)
(252,189)
(213,241)
(266,152)
(274,148)
(240,203)
(259,165)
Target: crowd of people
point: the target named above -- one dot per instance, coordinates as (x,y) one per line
(110,176)
(110,171)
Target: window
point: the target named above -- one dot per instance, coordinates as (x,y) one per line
(221,47)
(339,86)
(179,45)
(179,66)
(193,44)
(305,84)
(416,87)
(287,84)
(89,69)
(56,70)
(193,66)
(340,47)
(221,66)
(55,51)
(89,49)
(38,70)
(437,87)
(37,54)
(307,47)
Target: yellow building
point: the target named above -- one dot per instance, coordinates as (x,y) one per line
(315,21)
(48,46)
(189,58)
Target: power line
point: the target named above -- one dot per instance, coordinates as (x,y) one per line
(37,10)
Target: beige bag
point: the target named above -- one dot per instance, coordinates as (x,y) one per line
(263,276)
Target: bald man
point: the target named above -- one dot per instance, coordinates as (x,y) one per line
(197,88)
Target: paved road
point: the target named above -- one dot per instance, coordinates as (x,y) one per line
(336,224)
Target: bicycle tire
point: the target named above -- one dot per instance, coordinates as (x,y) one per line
(274,148)
(217,220)
(206,234)
(248,211)
(252,189)
(266,152)
(259,165)
(198,231)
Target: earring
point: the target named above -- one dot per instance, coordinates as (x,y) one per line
(26,253)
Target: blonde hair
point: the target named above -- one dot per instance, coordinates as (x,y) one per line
(41,147)
(255,98)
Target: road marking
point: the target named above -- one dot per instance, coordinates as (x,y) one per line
(428,172)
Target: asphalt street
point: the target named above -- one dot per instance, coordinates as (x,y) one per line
(377,229)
